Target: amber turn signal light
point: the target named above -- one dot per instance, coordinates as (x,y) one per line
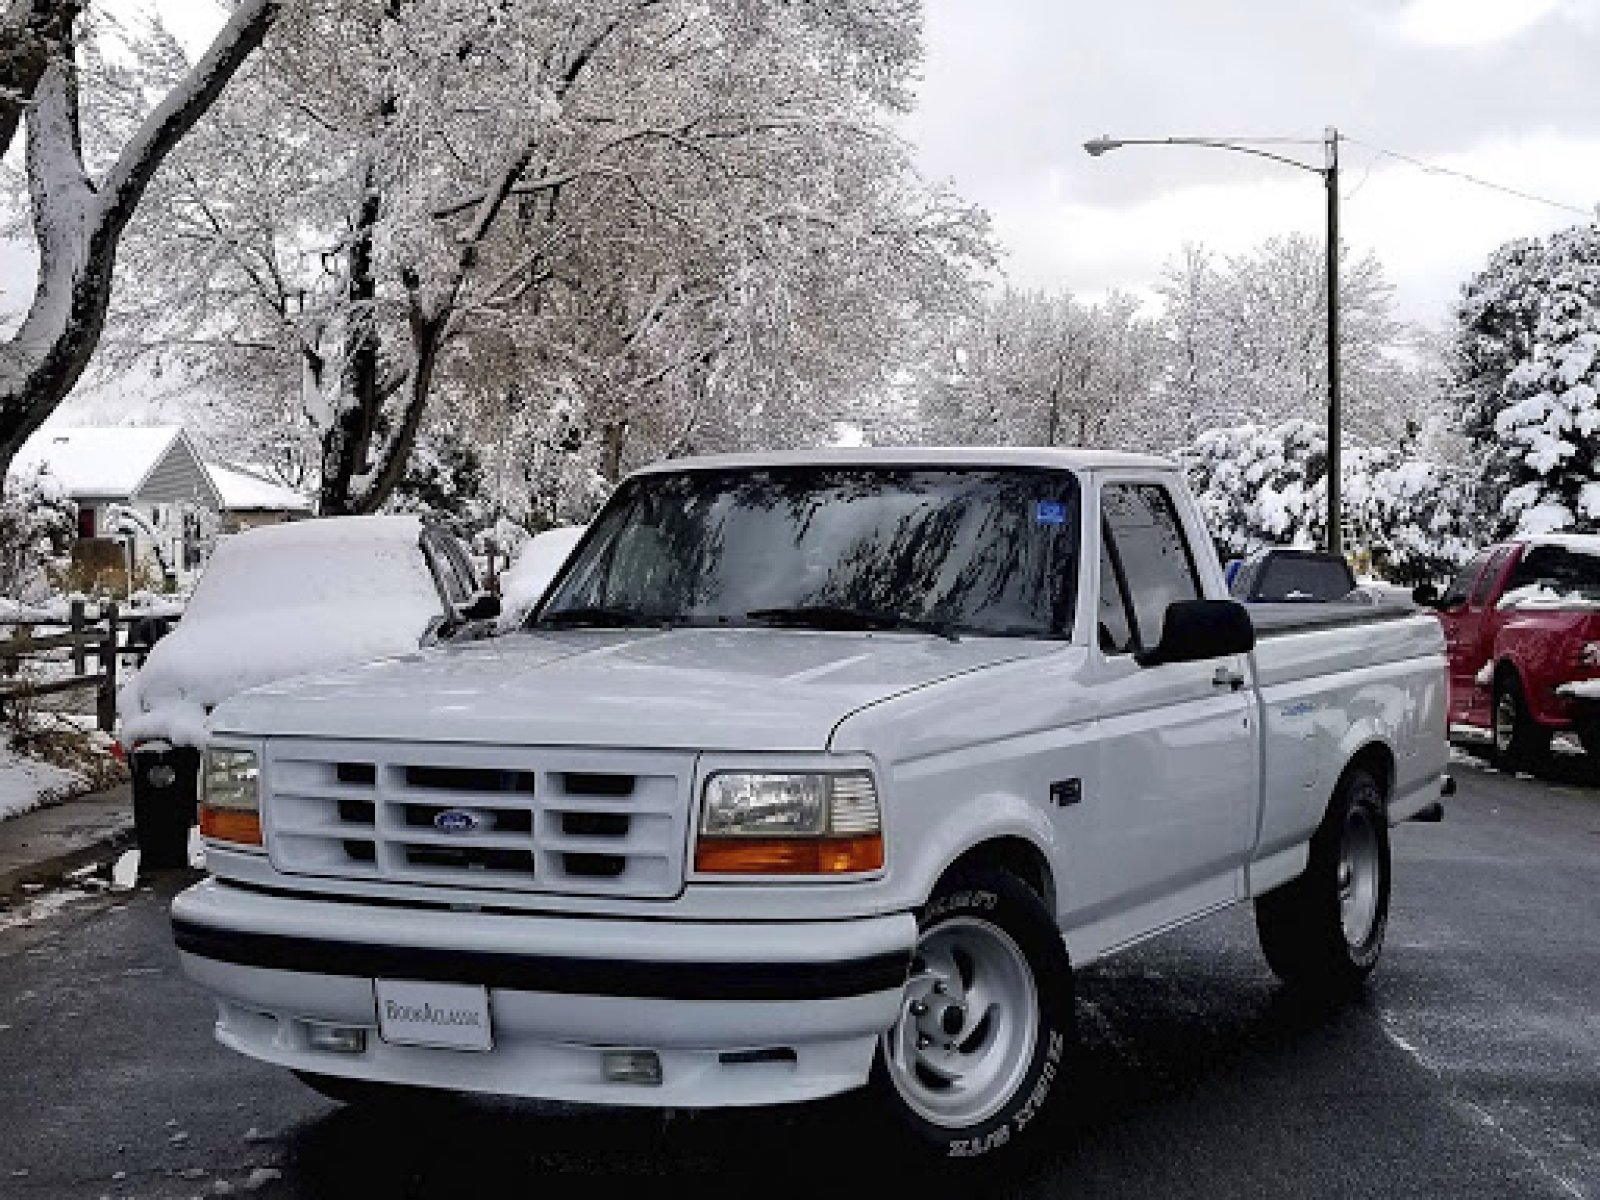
(789,856)
(230,825)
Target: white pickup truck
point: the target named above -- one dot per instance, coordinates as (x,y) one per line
(810,771)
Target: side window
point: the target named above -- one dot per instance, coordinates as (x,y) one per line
(1150,553)
(1456,594)
(444,570)
(1480,593)
(1114,623)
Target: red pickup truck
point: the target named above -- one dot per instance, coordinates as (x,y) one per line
(1522,621)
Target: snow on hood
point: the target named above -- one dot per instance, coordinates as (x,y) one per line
(693,689)
(282,601)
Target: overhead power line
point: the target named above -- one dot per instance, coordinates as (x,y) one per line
(1435,169)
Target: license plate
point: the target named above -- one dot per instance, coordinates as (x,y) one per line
(445,1016)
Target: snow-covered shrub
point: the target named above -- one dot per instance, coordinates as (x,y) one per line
(1267,486)
(1528,368)
(1261,485)
(36,523)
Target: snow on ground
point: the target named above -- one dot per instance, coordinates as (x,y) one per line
(26,783)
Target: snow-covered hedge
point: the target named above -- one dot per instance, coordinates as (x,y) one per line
(1261,485)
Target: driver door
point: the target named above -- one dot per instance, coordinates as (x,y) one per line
(1173,817)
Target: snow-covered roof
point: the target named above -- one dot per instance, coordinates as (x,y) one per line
(1063,459)
(246,491)
(107,462)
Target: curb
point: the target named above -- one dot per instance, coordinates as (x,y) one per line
(43,846)
(54,868)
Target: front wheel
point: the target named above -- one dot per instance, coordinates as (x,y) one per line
(1324,931)
(986,1020)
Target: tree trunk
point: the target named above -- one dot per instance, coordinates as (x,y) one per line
(347,444)
(31,31)
(613,435)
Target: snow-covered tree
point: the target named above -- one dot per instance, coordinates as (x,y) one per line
(680,225)
(1038,368)
(79,214)
(1528,376)
(1247,341)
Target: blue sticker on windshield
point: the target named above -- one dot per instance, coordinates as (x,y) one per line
(1050,512)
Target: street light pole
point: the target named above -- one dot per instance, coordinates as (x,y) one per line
(1330,177)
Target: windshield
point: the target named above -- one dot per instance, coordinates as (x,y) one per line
(1555,573)
(960,551)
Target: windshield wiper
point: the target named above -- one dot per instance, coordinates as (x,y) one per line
(831,616)
(600,617)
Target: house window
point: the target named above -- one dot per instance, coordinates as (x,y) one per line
(86,522)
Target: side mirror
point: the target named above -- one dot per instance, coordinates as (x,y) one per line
(1195,630)
(485,608)
(1425,595)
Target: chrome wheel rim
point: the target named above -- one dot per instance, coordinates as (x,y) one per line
(1359,869)
(967,1026)
(1505,721)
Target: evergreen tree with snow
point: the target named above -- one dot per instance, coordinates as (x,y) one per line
(1528,374)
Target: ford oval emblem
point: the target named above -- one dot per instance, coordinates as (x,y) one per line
(457,820)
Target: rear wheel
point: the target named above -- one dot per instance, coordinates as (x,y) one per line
(986,1019)
(1520,743)
(1324,931)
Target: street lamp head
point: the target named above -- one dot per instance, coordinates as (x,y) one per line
(1098,146)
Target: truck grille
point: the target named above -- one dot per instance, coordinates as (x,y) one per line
(580,822)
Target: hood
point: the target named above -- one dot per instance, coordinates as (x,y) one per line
(692,689)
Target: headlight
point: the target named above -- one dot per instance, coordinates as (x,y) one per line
(810,823)
(230,797)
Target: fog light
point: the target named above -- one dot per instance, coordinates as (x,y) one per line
(338,1039)
(632,1066)
(161,776)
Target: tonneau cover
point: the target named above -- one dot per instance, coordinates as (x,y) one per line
(1271,620)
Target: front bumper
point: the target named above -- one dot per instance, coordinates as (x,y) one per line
(751,1013)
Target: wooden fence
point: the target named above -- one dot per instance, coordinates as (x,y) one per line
(103,638)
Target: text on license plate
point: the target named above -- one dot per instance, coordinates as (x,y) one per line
(450,1016)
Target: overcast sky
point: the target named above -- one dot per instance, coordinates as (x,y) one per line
(1504,89)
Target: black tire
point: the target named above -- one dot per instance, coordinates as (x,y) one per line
(1520,742)
(164,813)
(988,907)
(1316,934)
(1589,736)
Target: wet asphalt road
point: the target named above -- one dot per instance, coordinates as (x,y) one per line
(1471,1069)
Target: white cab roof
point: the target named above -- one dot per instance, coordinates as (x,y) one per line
(1059,459)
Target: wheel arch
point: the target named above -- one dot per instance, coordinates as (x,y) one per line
(1018,855)
(1375,756)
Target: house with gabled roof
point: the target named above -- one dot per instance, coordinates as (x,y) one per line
(149,486)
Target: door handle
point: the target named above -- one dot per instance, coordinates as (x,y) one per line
(1227,677)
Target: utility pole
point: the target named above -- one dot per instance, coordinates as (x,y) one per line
(1330,177)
